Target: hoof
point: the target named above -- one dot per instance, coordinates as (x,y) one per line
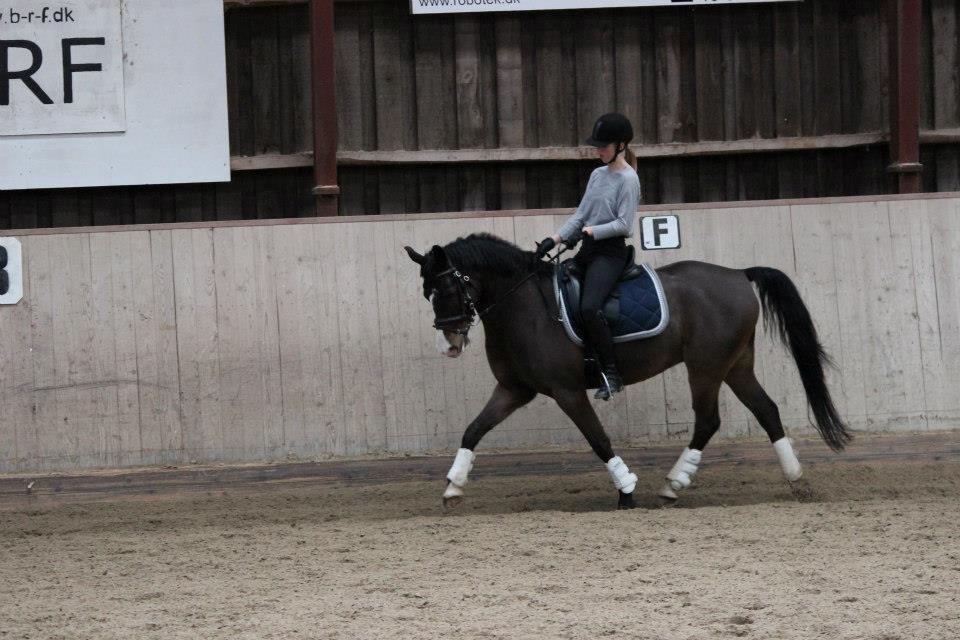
(666,503)
(452,497)
(625,501)
(667,492)
(803,492)
(452,502)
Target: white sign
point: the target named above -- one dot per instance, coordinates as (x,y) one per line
(461,6)
(660,232)
(61,67)
(174,93)
(11,271)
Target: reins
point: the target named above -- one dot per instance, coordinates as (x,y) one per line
(463,280)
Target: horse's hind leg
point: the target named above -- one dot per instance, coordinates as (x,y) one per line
(578,409)
(705,390)
(503,402)
(745,385)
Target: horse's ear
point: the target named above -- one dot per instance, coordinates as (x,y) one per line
(416,257)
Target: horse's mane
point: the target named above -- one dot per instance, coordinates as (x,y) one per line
(487,253)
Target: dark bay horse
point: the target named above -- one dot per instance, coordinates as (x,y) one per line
(713,320)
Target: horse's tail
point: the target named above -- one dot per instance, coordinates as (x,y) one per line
(784,309)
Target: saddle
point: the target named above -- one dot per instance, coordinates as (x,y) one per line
(636,309)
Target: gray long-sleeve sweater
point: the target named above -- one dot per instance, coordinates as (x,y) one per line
(609,205)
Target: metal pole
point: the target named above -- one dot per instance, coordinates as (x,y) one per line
(326,190)
(904,21)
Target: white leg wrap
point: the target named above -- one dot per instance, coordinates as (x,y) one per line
(623,480)
(461,467)
(788,459)
(681,475)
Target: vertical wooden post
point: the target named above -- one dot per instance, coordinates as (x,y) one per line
(326,190)
(904,22)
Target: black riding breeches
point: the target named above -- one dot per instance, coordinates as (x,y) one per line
(601,271)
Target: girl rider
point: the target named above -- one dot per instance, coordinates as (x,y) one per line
(604,219)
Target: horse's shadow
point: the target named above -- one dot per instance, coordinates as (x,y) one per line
(720,487)
(503,496)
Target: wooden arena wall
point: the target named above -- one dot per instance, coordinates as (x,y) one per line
(307,339)
(484,111)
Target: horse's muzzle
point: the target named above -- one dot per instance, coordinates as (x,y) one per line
(452,343)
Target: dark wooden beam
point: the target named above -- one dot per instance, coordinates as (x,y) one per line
(904,23)
(325,190)
(940,136)
(551,154)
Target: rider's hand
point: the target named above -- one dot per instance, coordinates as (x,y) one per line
(588,231)
(572,241)
(544,247)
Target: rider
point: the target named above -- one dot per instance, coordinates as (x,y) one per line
(605,219)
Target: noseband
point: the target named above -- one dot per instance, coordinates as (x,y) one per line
(468,309)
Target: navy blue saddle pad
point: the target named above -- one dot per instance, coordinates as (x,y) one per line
(636,309)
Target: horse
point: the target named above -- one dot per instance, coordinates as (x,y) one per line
(713,316)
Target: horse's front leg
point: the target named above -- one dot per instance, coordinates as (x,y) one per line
(504,401)
(575,404)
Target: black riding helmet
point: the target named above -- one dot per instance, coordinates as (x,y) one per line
(611,127)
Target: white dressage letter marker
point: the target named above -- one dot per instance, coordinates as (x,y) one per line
(660,232)
(11,271)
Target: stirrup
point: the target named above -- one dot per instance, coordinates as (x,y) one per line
(612,384)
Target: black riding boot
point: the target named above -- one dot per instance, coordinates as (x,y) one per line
(599,335)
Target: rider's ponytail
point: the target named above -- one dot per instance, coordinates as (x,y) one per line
(630,157)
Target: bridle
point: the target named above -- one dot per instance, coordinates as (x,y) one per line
(467,307)
(467,310)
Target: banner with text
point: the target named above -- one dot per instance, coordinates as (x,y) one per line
(102,93)
(61,67)
(461,6)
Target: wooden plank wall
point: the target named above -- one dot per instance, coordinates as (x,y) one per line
(537,79)
(941,94)
(250,195)
(236,342)
(683,75)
